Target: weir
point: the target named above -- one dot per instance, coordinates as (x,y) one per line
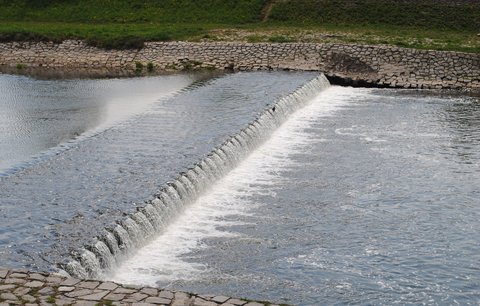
(117,242)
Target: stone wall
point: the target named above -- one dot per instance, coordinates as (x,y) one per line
(382,66)
(21,287)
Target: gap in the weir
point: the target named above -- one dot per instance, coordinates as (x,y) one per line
(351,82)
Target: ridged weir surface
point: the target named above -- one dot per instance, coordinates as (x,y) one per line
(151,219)
(99,198)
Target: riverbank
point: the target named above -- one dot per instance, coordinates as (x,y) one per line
(449,25)
(20,287)
(345,64)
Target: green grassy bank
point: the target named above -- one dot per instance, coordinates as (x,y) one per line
(426,24)
(423,14)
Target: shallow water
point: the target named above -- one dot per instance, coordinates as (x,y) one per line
(59,199)
(366,196)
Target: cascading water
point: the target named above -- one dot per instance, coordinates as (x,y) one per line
(136,229)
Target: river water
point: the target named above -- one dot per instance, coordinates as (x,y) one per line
(37,115)
(365,196)
(63,197)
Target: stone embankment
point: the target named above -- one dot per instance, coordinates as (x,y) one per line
(18,287)
(377,66)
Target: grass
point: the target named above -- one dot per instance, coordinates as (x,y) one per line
(427,14)
(105,32)
(280,39)
(51,299)
(132,11)
(371,35)
(122,24)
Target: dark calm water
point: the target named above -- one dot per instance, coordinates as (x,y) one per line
(100,146)
(366,196)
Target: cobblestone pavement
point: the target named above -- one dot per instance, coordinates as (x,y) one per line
(21,287)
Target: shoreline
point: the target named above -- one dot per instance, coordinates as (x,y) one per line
(344,64)
(21,287)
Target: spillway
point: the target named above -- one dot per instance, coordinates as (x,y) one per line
(54,205)
(122,239)
(227,187)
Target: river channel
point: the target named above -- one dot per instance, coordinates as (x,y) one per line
(365,196)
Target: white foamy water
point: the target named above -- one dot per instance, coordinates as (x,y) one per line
(168,258)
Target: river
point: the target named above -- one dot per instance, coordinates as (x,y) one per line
(365,196)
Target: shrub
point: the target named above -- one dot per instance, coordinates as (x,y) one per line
(150,67)
(138,66)
(23,36)
(280,39)
(120,43)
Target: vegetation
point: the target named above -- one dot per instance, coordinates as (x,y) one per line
(150,67)
(22,36)
(106,35)
(424,14)
(402,36)
(138,67)
(51,299)
(122,24)
(132,11)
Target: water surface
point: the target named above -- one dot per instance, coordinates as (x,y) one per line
(36,115)
(56,205)
(366,196)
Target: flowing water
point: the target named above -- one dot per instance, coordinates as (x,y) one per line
(365,196)
(53,205)
(38,115)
